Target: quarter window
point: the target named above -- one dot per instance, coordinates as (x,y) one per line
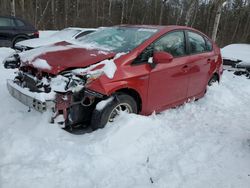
(20,23)
(173,43)
(197,43)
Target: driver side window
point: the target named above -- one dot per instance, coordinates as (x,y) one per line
(173,43)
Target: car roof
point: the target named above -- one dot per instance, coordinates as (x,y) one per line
(159,27)
(165,28)
(81,29)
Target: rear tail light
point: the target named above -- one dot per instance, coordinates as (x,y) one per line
(36,34)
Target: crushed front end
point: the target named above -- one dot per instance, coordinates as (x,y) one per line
(64,94)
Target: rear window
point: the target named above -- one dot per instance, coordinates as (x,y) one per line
(209,45)
(196,42)
(6,22)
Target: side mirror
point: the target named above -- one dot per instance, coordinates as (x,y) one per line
(162,57)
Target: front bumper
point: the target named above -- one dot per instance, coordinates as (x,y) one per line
(38,101)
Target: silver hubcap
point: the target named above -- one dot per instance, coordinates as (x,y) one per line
(122,107)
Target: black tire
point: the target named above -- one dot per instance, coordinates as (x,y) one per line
(18,39)
(101,118)
(213,80)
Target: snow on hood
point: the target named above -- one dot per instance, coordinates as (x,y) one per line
(35,43)
(30,55)
(108,67)
(41,64)
(237,52)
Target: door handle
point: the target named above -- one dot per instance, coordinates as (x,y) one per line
(185,68)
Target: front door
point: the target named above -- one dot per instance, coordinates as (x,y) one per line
(168,83)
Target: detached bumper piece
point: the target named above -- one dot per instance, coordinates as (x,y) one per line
(12,62)
(27,98)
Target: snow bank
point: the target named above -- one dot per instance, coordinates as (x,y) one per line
(200,144)
(237,52)
(4,53)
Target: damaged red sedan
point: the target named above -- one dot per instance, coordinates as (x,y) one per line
(130,68)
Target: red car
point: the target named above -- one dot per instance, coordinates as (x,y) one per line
(132,68)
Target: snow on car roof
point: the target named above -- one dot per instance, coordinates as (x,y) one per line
(236,52)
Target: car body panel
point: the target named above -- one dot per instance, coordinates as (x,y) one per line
(54,38)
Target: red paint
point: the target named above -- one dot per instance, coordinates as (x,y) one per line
(167,85)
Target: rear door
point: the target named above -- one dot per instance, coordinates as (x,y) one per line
(201,59)
(168,82)
(7,28)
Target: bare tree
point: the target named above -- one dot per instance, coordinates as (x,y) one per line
(163,2)
(123,10)
(221,4)
(13,8)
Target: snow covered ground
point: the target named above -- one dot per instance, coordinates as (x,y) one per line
(201,144)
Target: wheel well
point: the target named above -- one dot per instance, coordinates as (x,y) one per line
(20,36)
(134,94)
(217,76)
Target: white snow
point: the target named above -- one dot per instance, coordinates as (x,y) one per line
(103,103)
(237,52)
(41,64)
(52,37)
(46,33)
(30,55)
(5,53)
(108,68)
(200,144)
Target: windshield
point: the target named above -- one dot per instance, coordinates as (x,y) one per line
(66,33)
(116,39)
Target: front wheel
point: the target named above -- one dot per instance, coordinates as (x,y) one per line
(118,104)
(213,80)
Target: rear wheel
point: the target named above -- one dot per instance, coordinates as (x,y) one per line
(120,103)
(213,80)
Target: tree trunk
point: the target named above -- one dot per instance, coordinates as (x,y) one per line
(217,19)
(123,10)
(66,8)
(53,14)
(22,7)
(189,13)
(13,8)
(110,8)
(161,12)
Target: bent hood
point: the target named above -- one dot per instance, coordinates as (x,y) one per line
(62,56)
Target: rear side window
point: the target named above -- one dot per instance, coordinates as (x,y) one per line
(6,22)
(173,43)
(209,45)
(197,43)
(19,23)
(83,34)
